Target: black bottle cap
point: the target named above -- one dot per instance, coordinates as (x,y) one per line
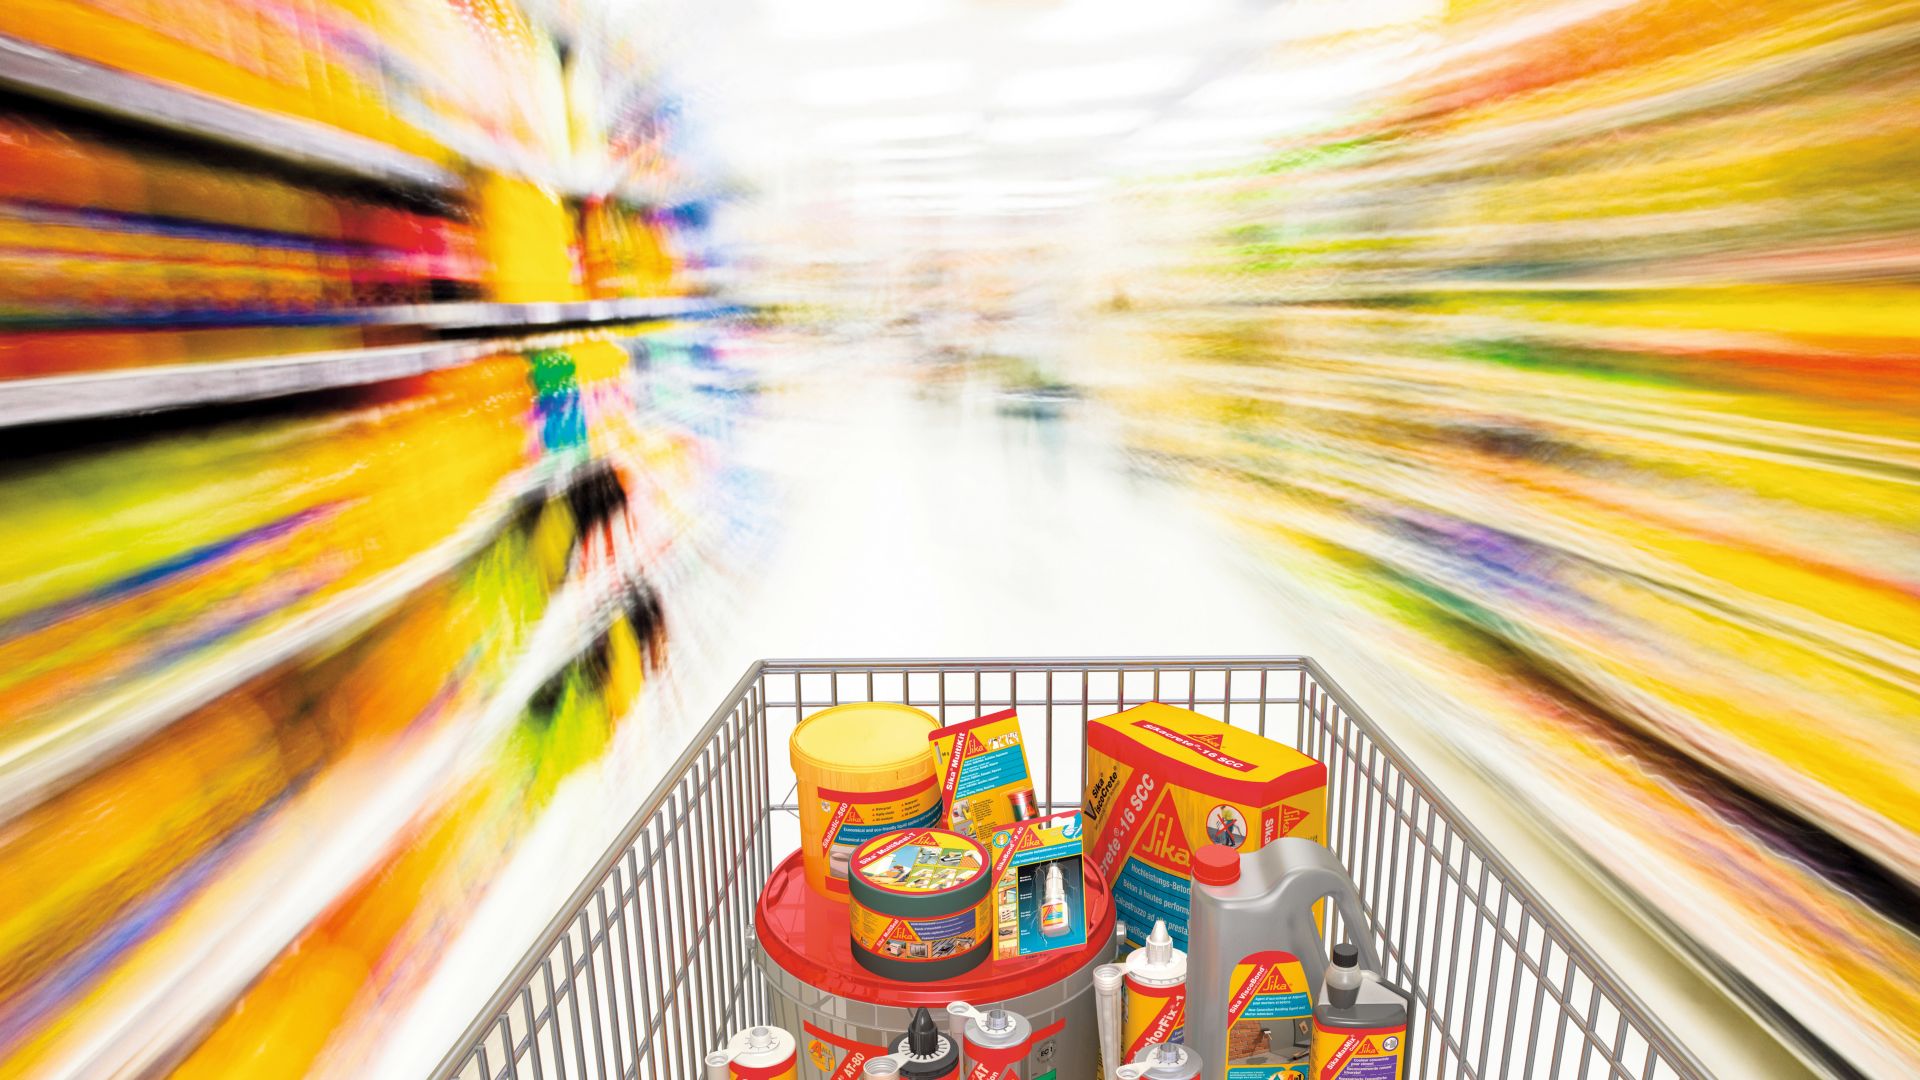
(1346,955)
(923,1038)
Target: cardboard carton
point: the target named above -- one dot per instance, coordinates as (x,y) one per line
(1163,780)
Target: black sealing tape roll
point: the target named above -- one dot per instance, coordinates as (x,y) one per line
(918,908)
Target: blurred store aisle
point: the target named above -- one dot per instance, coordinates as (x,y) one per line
(921,518)
(921,515)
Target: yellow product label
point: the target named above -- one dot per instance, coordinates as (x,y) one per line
(1154,1014)
(1269,1018)
(1377,1053)
(848,819)
(1162,781)
(984,782)
(919,863)
(919,939)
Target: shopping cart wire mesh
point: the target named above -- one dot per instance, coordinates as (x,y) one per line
(650,964)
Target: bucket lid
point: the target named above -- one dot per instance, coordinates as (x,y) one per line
(918,872)
(864,736)
(803,935)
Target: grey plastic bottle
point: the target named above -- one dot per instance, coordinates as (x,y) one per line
(1380,1013)
(1250,902)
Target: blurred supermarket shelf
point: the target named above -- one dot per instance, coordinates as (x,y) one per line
(54,76)
(455,315)
(138,390)
(173,386)
(468,316)
(36,760)
(286,875)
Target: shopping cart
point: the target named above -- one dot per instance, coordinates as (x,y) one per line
(650,964)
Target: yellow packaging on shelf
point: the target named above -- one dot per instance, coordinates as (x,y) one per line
(1162,781)
(984,783)
(527,236)
(862,769)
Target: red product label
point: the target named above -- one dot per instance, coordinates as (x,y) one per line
(764,1072)
(1118,827)
(988,1062)
(821,1048)
(1128,743)
(1211,753)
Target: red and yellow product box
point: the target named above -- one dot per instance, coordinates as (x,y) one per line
(1162,781)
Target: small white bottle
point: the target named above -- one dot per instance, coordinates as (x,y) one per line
(1053,904)
(1344,977)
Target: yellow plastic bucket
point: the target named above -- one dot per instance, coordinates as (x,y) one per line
(863,769)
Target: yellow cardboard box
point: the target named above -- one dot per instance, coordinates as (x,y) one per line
(1162,780)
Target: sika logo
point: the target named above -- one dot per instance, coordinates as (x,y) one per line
(1290,816)
(1161,840)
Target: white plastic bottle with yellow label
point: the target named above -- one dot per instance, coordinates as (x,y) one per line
(758,1053)
(1156,981)
(1054,911)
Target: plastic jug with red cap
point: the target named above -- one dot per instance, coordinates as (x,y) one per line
(1255,957)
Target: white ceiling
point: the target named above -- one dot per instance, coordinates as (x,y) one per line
(970,107)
